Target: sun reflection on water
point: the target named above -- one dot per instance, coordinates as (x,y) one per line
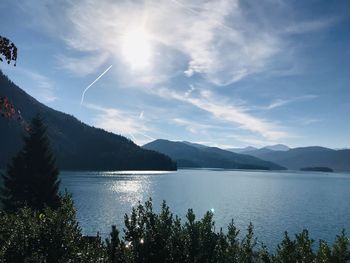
(131,189)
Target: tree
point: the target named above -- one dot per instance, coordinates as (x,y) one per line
(32,177)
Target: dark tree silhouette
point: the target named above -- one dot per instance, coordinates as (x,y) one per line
(32,177)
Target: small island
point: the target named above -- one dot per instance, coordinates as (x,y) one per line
(317,169)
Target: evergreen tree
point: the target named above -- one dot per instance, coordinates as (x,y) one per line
(32,177)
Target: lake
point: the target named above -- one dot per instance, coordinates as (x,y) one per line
(272,201)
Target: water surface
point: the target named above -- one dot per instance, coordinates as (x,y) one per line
(272,201)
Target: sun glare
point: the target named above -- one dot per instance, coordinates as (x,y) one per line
(136,49)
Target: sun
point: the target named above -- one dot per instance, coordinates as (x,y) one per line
(136,49)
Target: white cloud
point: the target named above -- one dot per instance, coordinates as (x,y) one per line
(121,122)
(278,103)
(42,88)
(212,38)
(306,120)
(191,126)
(282,102)
(196,127)
(211,42)
(222,110)
(302,27)
(254,141)
(215,39)
(84,65)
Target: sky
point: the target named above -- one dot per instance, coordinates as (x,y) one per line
(224,73)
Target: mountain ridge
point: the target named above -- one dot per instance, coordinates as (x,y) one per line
(310,156)
(188,155)
(77,146)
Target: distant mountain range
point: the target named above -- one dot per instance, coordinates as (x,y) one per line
(273,157)
(242,150)
(313,156)
(188,154)
(246,150)
(77,146)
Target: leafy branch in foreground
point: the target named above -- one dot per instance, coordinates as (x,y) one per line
(8,50)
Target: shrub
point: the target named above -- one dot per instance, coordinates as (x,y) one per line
(45,236)
(55,236)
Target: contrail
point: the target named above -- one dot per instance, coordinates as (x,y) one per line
(87,88)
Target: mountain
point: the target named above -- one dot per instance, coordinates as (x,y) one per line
(249,149)
(302,157)
(277,147)
(197,145)
(242,150)
(188,155)
(76,145)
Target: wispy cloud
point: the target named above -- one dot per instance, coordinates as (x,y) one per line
(222,110)
(196,127)
(42,87)
(84,65)
(306,120)
(214,43)
(253,141)
(283,102)
(121,122)
(213,39)
(302,27)
(191,126)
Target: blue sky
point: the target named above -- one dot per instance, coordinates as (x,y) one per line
(224,73)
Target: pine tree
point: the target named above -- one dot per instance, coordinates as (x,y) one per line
(32,177)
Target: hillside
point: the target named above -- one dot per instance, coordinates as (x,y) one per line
(77,146)
(189,155)
(269,148)
(313,156)
(242,150)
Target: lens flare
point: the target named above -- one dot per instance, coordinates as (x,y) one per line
(136,49)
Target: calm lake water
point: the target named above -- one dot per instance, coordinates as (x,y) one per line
(272,201)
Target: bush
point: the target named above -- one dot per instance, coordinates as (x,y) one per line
(45,236)
(152,237)
(55,236)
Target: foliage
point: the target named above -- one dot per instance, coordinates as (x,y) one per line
(32,177)
(54,236)
(45,236)
(152,237)
(8,50)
